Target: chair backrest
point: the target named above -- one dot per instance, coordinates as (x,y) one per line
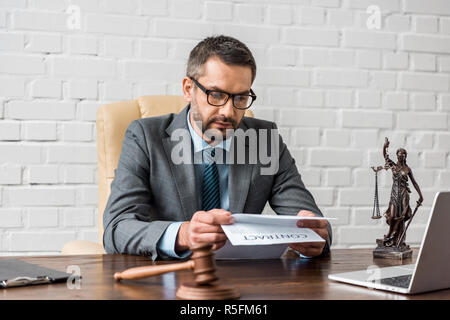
(112,121)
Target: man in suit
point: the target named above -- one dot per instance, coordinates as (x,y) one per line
(160,207)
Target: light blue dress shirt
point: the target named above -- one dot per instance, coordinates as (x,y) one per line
(166,244)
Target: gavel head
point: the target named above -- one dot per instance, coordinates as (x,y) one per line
(204,264)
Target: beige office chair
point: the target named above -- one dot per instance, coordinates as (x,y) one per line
(112,122)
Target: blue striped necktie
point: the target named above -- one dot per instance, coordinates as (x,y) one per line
(210,186)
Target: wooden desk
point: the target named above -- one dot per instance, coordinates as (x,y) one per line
(287,278)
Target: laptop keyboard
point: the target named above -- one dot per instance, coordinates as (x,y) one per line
(400,281)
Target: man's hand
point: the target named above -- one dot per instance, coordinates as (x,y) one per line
(311,249)
(204,227)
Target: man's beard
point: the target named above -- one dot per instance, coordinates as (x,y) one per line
(205,125)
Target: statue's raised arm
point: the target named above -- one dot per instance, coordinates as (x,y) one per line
(388,162)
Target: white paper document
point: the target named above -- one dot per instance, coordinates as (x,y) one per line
(230,252)
(256,229)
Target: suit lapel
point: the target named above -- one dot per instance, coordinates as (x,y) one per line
(239,177)
(183,174)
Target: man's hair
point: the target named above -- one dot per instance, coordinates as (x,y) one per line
(230,50)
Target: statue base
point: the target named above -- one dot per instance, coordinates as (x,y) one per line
(394,252)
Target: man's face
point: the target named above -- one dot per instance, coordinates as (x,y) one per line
(217,75)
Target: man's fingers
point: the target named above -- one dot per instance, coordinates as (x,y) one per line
(218,245)
(225,220)
(205,227)
(305,213)
(218,211)
(312,224)
(200,227)
(312,250)
(215,217)
(221,216)
(208,237)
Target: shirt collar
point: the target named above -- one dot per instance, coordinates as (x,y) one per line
(199,143)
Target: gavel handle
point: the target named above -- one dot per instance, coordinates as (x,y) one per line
(148,271)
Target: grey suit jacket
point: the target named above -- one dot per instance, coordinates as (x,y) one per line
(149,191)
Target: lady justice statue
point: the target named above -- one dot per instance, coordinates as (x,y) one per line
(398,212)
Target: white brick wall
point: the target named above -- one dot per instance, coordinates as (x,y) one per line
(334,87)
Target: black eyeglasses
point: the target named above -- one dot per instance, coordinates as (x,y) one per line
(219,98)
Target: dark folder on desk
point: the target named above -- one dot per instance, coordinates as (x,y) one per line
(14,272)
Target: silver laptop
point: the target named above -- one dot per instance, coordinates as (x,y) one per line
(432,268)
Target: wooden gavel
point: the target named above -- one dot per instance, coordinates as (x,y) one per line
(204,266)
(202,262)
